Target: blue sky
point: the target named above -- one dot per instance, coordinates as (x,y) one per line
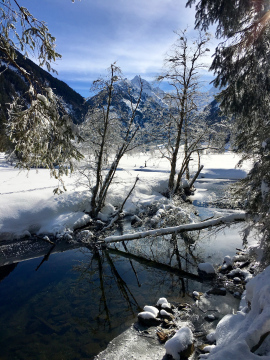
(92,34)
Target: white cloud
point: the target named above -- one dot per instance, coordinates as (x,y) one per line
(92,34)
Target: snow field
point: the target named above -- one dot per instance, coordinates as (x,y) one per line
(27,203)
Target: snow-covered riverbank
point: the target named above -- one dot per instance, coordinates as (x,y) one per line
(242,336)
(28,205)
(245,335)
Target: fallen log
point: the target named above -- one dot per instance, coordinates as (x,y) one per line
(229,219)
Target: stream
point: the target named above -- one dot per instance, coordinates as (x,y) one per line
(68,302)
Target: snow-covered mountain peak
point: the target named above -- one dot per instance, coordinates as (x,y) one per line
(148,91)
(136,81)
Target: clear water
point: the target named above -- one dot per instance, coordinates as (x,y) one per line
(73,304)
(76,303)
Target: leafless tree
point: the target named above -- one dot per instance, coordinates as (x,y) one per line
(109,134)
(185,121)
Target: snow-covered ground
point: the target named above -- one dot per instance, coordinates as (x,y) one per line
(28,205)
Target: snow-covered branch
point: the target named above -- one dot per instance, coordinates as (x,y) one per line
(229,219)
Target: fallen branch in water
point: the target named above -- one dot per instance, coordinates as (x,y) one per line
(229,219)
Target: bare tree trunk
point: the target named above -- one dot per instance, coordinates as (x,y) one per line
(173,163)
(195,176)
(199,159)
(186,150)
(94,207)
(176,148)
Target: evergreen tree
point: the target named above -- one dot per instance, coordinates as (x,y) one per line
(241,65)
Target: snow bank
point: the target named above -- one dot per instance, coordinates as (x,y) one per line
(41,213)
(240,336)
(63,222)
(107,211)
(28,205)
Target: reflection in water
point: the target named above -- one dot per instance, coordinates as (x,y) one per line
(101,263)
(69,305)
(79,300)
(71,311)
(6,270)
(46,257)
(131,264)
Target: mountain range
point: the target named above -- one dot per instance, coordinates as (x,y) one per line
(126,94)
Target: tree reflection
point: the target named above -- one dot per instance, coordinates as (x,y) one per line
(175,254)
(103,299)
(115,275)
(101,270)
(6,270)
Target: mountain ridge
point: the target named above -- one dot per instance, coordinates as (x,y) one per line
(152,106)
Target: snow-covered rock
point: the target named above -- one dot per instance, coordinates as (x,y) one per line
(240,257)
(196,295)
(162,301)
(165,314)
(227,264)
(148,318)
(208,348)
(243,274)
(146,315)
(237,280)
(166,306)
(181,344)
(206,269)
(151,309)
(210,317)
